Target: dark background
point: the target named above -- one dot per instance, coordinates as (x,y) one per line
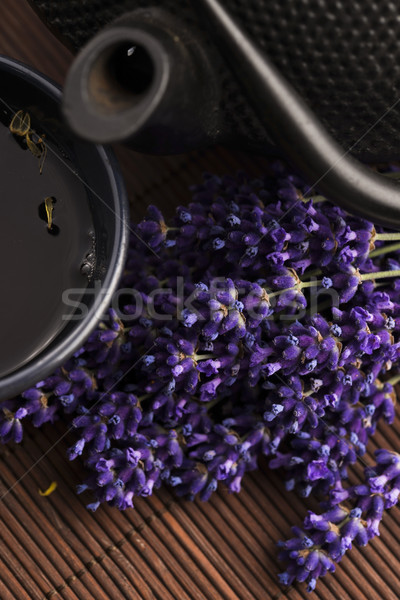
(168,548)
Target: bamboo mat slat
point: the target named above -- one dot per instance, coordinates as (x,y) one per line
(166,548)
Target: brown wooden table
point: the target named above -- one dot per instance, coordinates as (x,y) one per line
(167,548)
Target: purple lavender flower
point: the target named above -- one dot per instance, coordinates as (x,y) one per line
(326,537)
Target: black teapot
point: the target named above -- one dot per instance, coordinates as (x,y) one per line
(167,77)
(344,63)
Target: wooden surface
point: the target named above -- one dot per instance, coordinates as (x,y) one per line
(167,548)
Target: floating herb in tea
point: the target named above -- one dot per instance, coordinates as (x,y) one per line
(38,148)
(21,125)
(46,210)
(49,205)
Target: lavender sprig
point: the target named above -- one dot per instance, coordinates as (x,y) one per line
(351,515)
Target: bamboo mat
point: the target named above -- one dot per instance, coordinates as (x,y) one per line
(167,548)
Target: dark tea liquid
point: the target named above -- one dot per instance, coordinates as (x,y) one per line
(37,266)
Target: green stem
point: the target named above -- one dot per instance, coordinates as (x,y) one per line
(385,250)
(380,284)
(144,397)
(316,199)
(393,380)
(387,237)
(306,284)
(392,175)
(345,520)
(299,286)
(212,403)
(203,356)
(380,275)
(363,277)
(377,252)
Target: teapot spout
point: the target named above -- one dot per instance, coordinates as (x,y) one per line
(144,80)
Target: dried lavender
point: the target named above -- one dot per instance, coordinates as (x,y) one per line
(232,346)
(351,515)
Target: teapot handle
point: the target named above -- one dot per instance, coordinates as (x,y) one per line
(296,129)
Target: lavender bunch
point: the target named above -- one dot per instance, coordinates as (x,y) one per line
(232,345)
(185,384)
(350,515)
(258,227)
(178,388)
